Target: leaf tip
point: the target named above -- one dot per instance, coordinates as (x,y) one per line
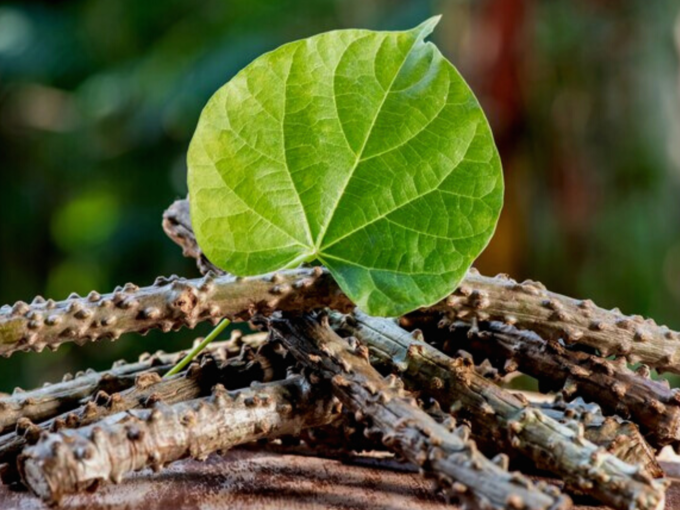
(427,26)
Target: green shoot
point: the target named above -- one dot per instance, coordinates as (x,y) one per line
(196,350)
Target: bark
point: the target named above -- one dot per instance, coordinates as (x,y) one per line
(53,399)
(505,419)
(197,381)
(652,405)
(73,460)
(527,305)
(168,304)
(618,436)
(177,226)
(451,457)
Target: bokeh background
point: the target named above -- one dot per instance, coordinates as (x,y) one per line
(99,99)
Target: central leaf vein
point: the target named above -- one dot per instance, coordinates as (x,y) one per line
(359,155)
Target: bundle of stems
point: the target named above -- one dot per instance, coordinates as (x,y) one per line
(324,378)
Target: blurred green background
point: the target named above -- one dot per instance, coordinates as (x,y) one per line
(99,99)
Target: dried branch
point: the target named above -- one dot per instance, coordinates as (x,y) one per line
(345,439)
(73,460)
(461,471)
(526,305)
(618,436)
(652,405)
(52,399)
(169,303)
(529,306)
(507,420)
(177,226)
(148,388)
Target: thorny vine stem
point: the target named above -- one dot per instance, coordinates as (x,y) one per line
(527,305)
(72,460)
(393,416)
(498,414)
(147,390)
(653,405)
(168,304)
(175,302)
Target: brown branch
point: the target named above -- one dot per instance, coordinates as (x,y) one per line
(73,460)
(169,303)
(505,419)
(530,306)
(44,403)
(175,302)
(148,388)
(52,399)
(460,470)
(526,305)
(177,226)
(619,437)
(652,405)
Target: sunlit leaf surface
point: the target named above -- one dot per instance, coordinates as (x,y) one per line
(364,150)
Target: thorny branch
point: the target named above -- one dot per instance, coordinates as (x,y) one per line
(529,306)
(55,398)
(501,417)
(652,405)
(147,390)
(72,460)
(618,436)
(44,403)
(345,439)
(461,471)
(168,304)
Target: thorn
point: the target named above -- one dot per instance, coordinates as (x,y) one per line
(83,314)
(502,461)
(436,383)
(20,308)
(643,371)
(130,287)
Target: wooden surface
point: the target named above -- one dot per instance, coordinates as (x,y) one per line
(261,480)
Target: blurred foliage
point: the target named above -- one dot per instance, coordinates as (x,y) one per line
(98,101)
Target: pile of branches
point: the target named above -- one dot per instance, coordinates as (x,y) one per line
(320,376)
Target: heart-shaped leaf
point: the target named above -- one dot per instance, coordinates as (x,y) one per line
(364,150)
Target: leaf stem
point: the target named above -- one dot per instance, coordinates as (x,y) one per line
(196,350)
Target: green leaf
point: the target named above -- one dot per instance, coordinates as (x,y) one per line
(365,150)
